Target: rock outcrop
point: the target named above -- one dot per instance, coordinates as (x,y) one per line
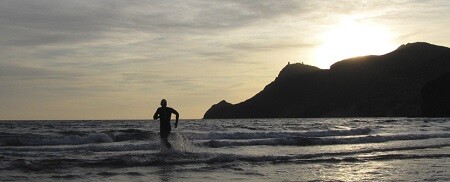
(371,86)
(436,97)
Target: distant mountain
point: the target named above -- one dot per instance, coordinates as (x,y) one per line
(369,86)
(436,97)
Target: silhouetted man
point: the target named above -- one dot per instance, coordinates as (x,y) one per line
(164,114)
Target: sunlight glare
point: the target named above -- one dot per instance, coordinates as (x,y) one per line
(351,38)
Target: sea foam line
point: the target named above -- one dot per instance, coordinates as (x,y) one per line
(276,134)
(66,140)
(142,135)
(307,141)
(181,158)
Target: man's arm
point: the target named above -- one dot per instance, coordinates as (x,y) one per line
(156,115)
(177,116)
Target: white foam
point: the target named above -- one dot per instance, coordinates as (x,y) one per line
(180,138)
(181,142)
(67,140)
(276,134)
(305,141)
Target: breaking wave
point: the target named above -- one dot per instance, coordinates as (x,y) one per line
(307,141)
(78,138)
(181,158)
(65,140)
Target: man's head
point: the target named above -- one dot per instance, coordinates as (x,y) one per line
(164,103)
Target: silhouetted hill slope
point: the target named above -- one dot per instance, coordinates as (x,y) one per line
(436,97)
(369,86)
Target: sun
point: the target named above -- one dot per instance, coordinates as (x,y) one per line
(351,38)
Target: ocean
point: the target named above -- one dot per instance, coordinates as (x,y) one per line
(327,149)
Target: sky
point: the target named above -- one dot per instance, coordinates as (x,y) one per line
(115,59)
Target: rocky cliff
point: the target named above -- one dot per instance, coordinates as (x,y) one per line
(369,86)
(436,97)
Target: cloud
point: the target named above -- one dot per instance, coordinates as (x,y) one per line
(44,22)
(29,23)
(89,33)
(11,71)
(261,46)
(140,50)
(198,16)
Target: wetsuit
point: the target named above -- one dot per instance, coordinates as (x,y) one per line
(164,114)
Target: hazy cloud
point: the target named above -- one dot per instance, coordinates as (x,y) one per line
(18,72)
(118,55)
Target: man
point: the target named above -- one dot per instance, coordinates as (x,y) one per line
(164,114)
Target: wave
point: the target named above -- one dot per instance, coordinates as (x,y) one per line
(276,134)
(131,134)
(182,158)
(307,141)
(146,140)
(82,137)
(75,137)
(66,140)
(181,143)
(100,147)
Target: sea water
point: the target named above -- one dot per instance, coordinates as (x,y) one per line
(331,149)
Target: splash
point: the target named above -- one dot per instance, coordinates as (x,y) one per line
(180,144)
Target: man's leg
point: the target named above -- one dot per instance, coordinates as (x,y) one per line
(164,139)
